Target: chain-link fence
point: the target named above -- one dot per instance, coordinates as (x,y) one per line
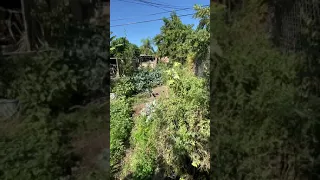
(290,20)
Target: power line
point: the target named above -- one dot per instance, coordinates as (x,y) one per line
(149,14)
(142,4)
(148,21)
(158,4)
(165,3)
(153,4)
(182,9)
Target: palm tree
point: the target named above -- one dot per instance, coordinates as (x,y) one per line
(146,47)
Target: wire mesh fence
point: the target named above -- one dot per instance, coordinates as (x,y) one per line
(289,21)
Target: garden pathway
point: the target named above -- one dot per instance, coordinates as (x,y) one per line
(160,91)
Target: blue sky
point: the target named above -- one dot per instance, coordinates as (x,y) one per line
(132,11)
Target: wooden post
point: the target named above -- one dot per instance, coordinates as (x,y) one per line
(118,73)
(25,9)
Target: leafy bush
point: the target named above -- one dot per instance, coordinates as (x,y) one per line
(142,81)
(44,81)
(178,41)
(65,77)
(120,126)
(124,87)
(145,79)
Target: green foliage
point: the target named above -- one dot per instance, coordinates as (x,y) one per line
(177,130)
(127,53)
(55,21)
(181,43)
(36,151)
(145,79)
(146,47)
(39,147)
(204,15)
(171,41)
(52,79)
(142,161)
(141,81)
(185,132)
(124,87)
(261,129)
(47,84)
(43,82)
(120,126)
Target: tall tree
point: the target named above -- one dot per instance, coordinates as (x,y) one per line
(172,40)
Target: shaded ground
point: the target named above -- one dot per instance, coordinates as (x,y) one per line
(89,147)
(89,143)
(9,126)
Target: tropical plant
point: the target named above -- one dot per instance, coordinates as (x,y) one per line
(146,47)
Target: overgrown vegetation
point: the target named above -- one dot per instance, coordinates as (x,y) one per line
(57,90)
(262,128)
(120,127)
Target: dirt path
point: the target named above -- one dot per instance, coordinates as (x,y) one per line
(161,91)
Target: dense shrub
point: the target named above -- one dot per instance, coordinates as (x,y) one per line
(141,81)
(124,87)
